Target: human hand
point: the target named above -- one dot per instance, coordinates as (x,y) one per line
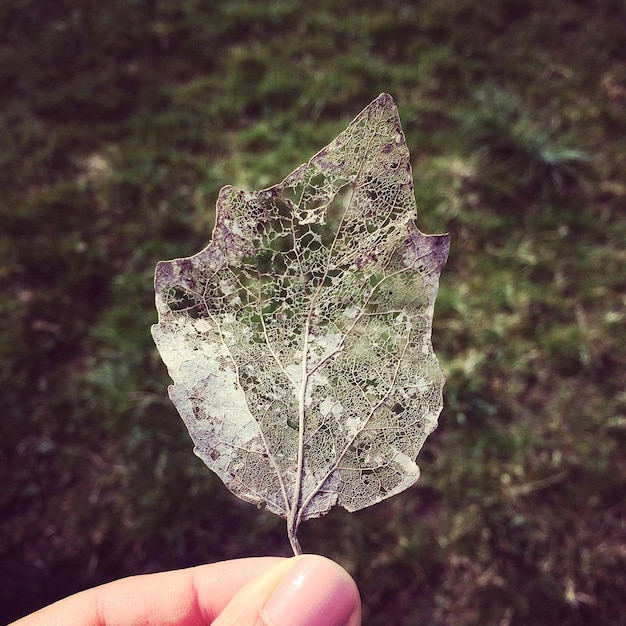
(307,590)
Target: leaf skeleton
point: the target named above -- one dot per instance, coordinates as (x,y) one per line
(303,366)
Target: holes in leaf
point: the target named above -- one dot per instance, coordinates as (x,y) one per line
(285,207)
(181,300)
(332,276)
(318,181)
(374,280)
(368,476)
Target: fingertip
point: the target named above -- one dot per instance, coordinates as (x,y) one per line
(315,590)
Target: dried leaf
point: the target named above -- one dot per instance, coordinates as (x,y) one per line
(299,339)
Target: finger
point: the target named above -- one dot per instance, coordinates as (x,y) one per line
(308,590)
(187,597)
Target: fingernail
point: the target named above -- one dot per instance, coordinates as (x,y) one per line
(316,591)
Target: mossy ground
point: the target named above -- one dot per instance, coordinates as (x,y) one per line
(119,123)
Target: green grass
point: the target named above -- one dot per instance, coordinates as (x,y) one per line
(120,121)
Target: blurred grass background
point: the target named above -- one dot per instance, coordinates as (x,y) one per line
(120,121)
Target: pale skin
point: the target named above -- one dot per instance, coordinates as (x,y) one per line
(301,591)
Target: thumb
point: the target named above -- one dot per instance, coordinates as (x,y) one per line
(307,590)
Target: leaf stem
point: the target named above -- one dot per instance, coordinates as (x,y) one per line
(292,530)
